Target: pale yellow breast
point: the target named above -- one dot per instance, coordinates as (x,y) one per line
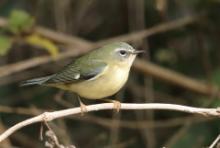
(104,85)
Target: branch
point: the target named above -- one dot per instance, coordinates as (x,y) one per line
(19,66)
(49,116)
(55,36)
(163,27)
(148,68)
(33,62)
(62,38)
(105,122)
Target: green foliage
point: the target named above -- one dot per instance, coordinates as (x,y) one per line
(5,44)
(20,21)
(49,46)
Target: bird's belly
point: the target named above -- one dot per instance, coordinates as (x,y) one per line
(103,86)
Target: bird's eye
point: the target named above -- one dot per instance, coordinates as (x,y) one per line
(123,53)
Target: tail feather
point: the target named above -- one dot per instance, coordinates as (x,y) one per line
(36,81)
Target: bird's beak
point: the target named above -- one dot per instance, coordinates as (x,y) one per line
(138,51)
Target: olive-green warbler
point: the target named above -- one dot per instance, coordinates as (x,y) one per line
(95,75)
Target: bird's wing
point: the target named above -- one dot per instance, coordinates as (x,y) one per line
(73,73)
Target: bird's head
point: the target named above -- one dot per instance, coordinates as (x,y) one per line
(119,53)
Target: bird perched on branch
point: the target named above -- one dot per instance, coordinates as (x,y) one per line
(95,75)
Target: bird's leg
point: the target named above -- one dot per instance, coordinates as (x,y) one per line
(82,106)
(117,104)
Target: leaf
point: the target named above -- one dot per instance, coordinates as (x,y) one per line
(44,43)
(5,44)
(20,21)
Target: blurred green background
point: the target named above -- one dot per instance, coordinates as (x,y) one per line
(50,28)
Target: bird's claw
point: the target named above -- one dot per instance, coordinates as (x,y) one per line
(117,105)
(83,108)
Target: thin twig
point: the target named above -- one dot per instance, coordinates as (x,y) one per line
(105,122)
(215,142)
(7,143)
(49,116)
(163,27)
(19,66)
(63,38)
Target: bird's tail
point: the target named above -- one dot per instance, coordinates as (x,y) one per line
(36,81)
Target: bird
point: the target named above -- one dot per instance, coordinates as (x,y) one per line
(98,74)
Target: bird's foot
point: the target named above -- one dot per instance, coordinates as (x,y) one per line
(83,108)
(117,105)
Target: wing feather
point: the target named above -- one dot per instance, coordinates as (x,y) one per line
(73,73)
